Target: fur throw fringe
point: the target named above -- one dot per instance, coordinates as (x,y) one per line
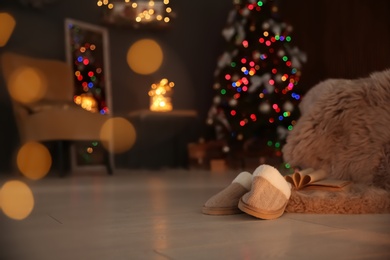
(359,199)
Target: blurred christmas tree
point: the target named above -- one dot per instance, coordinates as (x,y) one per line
(256,100)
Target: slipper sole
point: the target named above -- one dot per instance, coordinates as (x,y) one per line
(220,211)
(262,214)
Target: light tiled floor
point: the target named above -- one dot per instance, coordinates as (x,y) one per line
(156,215)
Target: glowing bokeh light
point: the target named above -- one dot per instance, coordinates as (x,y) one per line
(34,160)
(118,135)
(145,56)
(17,200)
(7,25)
(27,84)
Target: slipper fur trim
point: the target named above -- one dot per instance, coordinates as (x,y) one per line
(277,180)
(245,179)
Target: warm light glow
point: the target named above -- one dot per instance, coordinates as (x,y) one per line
(27,84)
(87,102)
(34,160)
(158,202)
(17,200)
(7,25)
(118,135)
(160,96)
(144,11)
(145,56)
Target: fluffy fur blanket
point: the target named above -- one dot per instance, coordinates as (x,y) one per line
(344,129)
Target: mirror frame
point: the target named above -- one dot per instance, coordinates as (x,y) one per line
(107,74)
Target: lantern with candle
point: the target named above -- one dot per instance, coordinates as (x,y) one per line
(160,96)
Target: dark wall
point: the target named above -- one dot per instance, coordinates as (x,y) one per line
(343,39)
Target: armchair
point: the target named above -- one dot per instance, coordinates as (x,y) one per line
(54,116)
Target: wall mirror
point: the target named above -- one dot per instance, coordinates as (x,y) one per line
(87,52)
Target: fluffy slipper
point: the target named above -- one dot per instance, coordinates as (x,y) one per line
(268,196)
(225,202)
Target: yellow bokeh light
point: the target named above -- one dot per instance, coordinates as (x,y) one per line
(118,135)
(145,56)
(27,84)
(34,160)
(7,25)
(17,200)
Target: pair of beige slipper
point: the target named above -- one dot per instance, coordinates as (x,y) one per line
(263,194)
